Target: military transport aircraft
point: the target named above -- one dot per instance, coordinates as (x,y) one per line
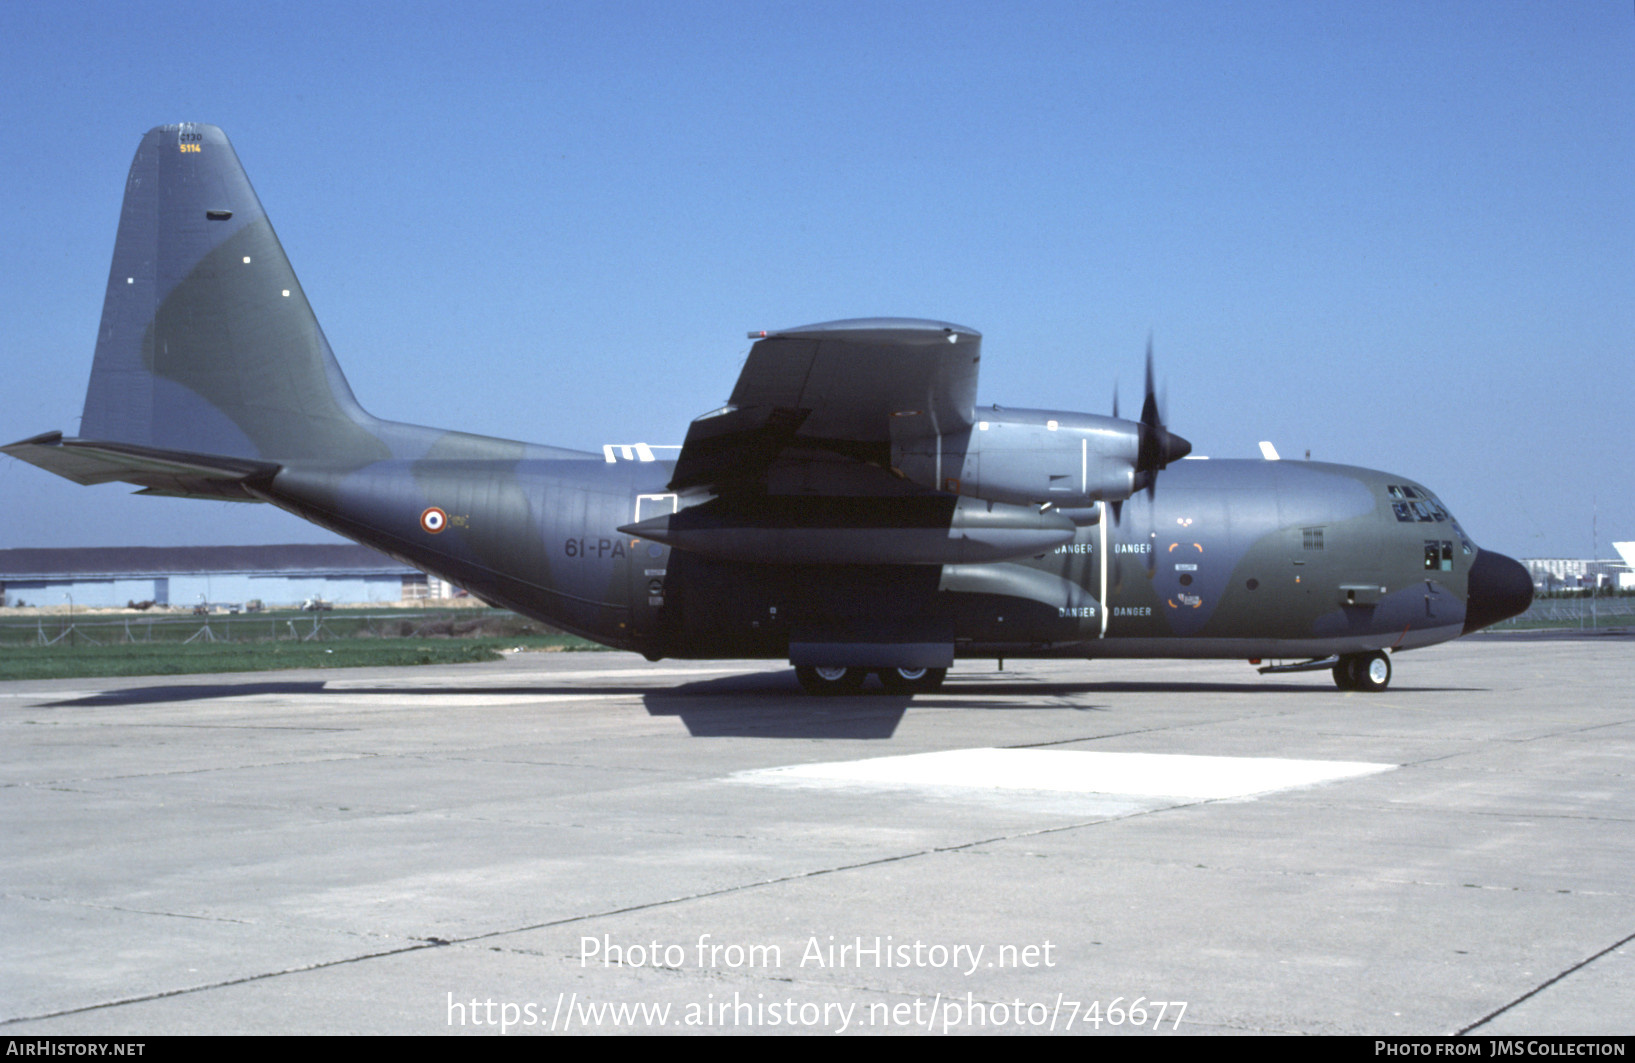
(851,509)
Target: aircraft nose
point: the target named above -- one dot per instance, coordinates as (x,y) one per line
(1499,588)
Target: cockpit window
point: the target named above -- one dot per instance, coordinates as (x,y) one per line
(1419,506)
(1464,540)
(1425,508)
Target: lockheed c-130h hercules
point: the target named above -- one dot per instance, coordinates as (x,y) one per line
(850,509)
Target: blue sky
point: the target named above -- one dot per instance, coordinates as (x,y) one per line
(1399,235)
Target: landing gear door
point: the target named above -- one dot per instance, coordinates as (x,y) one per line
(649,563)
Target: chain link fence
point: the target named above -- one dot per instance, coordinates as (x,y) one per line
(102,630)
(1579,612)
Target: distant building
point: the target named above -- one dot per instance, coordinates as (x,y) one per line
(218,575)
(1571,574)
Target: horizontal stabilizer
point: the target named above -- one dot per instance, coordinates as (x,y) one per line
(161,472)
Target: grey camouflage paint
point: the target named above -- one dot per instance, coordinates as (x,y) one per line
(212,378)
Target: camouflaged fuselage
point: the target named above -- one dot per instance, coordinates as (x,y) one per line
(850,506)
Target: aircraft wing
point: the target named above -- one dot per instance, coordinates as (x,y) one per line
(843,387)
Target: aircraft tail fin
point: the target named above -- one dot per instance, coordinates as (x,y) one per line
(207,344)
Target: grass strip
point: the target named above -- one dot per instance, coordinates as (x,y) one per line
(84,661)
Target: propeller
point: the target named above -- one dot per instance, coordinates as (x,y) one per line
(1156,445)
(1118,505)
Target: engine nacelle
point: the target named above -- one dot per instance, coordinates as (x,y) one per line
(1026,457)
(827,530)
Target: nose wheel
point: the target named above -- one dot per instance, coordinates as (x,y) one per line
(1365,672)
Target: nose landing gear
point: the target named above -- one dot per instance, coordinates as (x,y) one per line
(1365,672)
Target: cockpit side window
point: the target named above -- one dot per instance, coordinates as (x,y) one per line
(1438,555)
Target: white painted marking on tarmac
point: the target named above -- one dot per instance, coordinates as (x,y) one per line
(511,680)
(435,699)
(52,695)
(1056,771)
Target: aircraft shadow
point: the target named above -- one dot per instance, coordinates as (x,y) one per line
(752,705)
(192,692)
(772,705)
(1248,686)
(208,691)
(755,705)
(1028,688)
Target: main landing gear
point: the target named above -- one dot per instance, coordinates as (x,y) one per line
(911,680)
(831,681)
(1366,672)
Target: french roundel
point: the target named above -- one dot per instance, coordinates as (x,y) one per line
(433,520)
